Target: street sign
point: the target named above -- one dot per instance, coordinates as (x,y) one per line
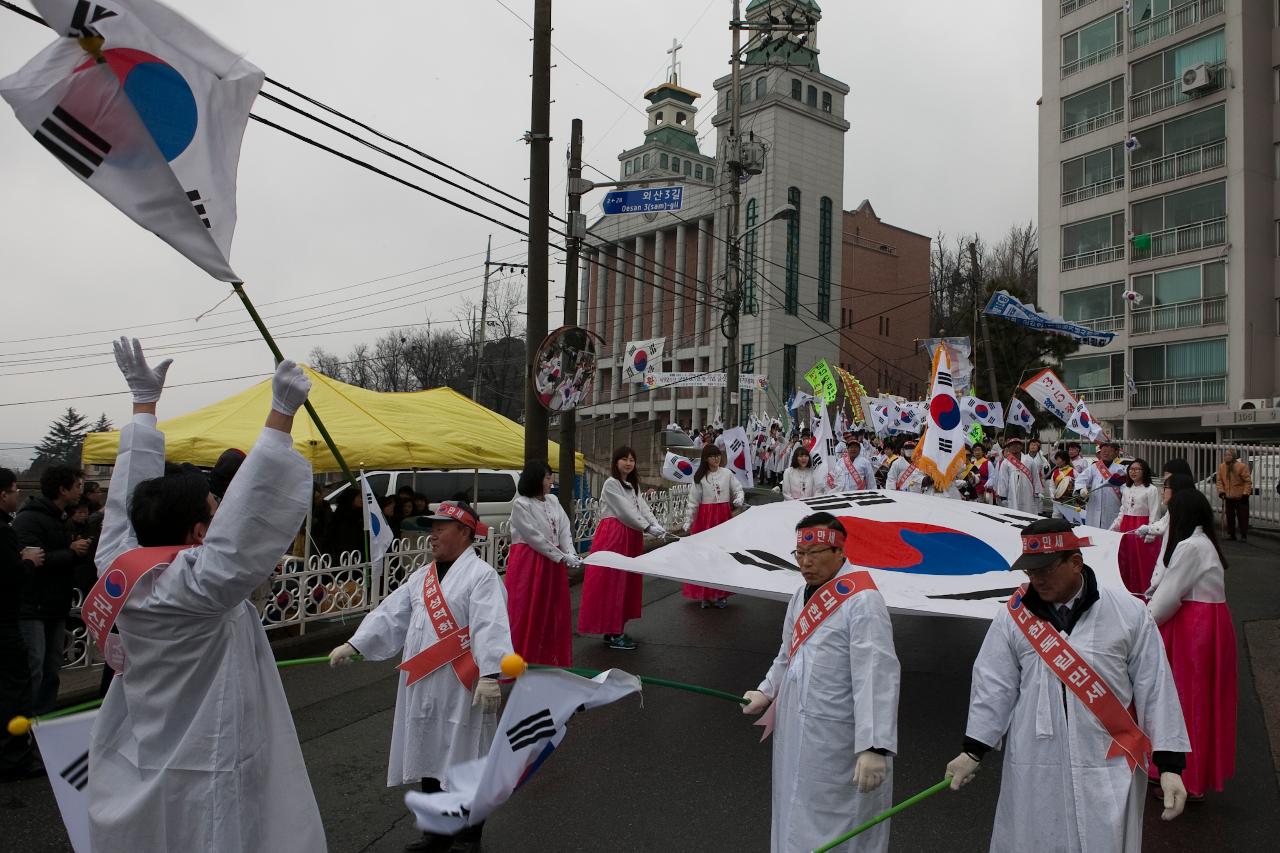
(643,201)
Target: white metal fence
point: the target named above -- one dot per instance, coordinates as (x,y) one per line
(1204,459)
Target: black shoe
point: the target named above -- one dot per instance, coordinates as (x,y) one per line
(620,641)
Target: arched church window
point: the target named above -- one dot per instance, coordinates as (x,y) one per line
(811,96)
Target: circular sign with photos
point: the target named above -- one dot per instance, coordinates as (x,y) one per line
(566,368)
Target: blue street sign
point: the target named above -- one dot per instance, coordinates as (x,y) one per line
(643,201)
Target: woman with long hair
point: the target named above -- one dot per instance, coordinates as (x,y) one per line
(537,578)
(1140,504)
(610,597)
(1190,606)
(712,496)
(800,480)
(1159,529)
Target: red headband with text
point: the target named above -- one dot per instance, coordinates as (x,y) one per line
(1052,543)
(820,536)
(458,514)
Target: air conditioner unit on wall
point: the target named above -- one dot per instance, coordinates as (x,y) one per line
(1196,78)
(1255,403)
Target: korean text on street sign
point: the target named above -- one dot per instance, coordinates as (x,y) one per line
(643,201)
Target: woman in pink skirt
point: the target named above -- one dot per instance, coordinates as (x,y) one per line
(712,497)
(1190,606)
(1140,505)
(610,597)
(537,577)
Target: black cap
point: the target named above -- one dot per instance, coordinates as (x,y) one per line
(1044,541)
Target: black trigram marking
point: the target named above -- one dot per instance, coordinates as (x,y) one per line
(763,560)
(944,378)
(531,729)
(85,15)
(847,500)
(945,445)
(978,595)
(198,204)
(77,772)
(1013,519)
(67,138)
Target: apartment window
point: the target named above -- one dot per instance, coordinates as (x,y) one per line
(1184,284)
(824,260)
(826,102)
(1091,43)
(1093,174)
(797,86)
(811,96)
(1198,204)
(1093,303)
(697,171)
(1183,374)
(1093,235)
(663,161)
(1093,371)
(1168,65)
(1181,134)
(749,302)
(788,370)
(1093,108)
(644,162)
(792,302)
(761,84)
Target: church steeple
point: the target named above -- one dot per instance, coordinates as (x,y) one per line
(797,47)
(671,138)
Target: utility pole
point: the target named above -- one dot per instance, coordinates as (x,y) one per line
(539,140)
(577,229)
(732,273)
(484,309)
(982,319)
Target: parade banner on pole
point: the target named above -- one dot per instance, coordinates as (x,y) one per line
(692,379)
(1048,389)
(64,748)
(961,351)
(854,393)
(823,381)
(927,554)
(1015,310)
(642,359)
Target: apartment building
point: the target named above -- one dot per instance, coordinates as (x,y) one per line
(1159,151)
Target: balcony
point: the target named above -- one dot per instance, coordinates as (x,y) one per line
(1089,259)
(1092,59)
(1185,238)
(1180,392)
(1170,94)
(1174,21)
(1092,191)
(1101,394)
(1180,315)
(1180,164)
(1069,6)
(1089,125)
(1105,324)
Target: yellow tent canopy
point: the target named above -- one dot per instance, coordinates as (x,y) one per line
(438,428)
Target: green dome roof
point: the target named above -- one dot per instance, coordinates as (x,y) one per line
(783,5)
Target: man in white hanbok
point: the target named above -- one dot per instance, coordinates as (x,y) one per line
(194,748)
(1017,482)
(832,693)
(1101,482)
(903,474)
(450,713)
(853,469)
(1063,787)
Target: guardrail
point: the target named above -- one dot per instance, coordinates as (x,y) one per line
(1180,164)
(1180,315)
(1204,458)
(1173,21)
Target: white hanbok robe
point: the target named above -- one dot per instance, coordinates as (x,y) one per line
(1018,491)
(800,483)
(914,483)
(779,457)
(1158,529)
(194,748)
(845,481)
(718,486)
(1139,500)
(436,725)
(620,501)
(1059,793)
(837,698)
(1194,573)
(543,525)
(1103,504)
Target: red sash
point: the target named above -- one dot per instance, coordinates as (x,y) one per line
(104,602)
(1017,463)
(906,475)
(858,481)
(824,602)
(1105,471)
(1127,738)
(453,645)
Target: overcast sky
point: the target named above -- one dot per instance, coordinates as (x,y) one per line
(943,137)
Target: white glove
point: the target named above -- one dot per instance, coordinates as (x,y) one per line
(342,654)
(573,561)
(869,772)
(145,382)
(961,770)
(1148,538)
(289,388)
(656,530)
(488,695)
(1175,795)
(739,503)
(1144,531)
(756,702)
(1083,493)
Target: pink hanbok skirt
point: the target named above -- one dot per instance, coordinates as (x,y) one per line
(609,596)
(707,516)
(538,607)
(1200,643)
(1137,558)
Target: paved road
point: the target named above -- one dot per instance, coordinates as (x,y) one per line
(686,772)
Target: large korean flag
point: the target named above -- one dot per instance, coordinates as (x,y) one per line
(942,452)
(149,111)
(927,554)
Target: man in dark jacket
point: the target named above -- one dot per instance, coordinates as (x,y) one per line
(17,758)
(46,598)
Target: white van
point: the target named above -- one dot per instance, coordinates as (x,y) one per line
(497,489)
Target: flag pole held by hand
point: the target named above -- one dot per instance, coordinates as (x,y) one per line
(883,816)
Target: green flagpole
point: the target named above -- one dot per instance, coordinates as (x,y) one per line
(902,806)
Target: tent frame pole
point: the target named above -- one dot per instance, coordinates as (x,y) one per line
(238,286)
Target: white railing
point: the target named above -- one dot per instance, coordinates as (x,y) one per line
(1174,21)
(1100,394)
(1180,315)
(1180,392)
(1092,59)
(1089,125)
(1204,458)
(1097,256)
(1069,6)
(1184,238)
(1093,190)
(1180,164)
(1170,94)
(1105,324)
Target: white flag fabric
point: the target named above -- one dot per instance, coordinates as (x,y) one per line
(906,419)
(883,412)
(737,456)
(1020,415)
(677,468)
(980,411)
(533,724)
(942,451)
(380,534)
(1082,423)
(822,457)
(1048,389)
(928,554)
(64,748)
(154,125)
(642,358)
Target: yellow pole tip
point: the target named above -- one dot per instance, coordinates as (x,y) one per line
(19,726)
(513,666)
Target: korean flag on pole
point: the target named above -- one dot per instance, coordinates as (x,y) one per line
(64,746)
(1081,422)
(737,452)
(980,411)
(1020,415)
(375,523)
(149,111)
(941,453)
(677,468)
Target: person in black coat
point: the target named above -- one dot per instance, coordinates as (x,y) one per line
(17,758)
(45,600)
